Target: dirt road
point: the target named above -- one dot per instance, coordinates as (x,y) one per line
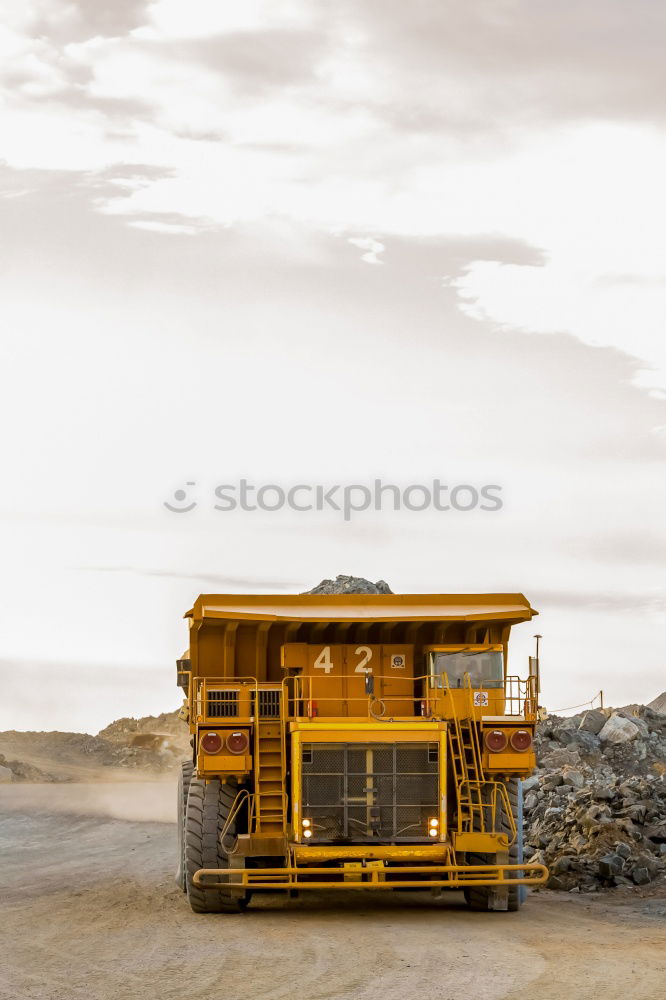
(90,910)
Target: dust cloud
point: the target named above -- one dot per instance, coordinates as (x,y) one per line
(138,801)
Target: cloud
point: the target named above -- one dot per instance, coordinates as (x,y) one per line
(520,122)
(576,600)
(517,61)
(169,19)
(447,257)
(623,548)
(58,703)
(65,21)
(257,61)
(191,199)
(372,247)
(224,584)
(514,393)
(170,223)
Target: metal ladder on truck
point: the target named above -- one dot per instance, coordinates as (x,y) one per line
(465,752)
(270,762)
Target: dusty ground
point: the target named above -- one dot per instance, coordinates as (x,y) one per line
(90,910)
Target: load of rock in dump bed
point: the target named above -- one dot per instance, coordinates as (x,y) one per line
(350,585)
(595,811)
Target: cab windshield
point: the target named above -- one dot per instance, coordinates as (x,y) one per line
(485,668)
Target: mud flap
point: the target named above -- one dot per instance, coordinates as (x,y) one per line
(522,889)
(238,864)
(498,899)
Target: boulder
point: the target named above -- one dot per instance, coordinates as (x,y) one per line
(647,861)
(593,721)
(560,758)
(566,735)
(618,730)
(561,865)
(530,803)
(610,865)
(6,774)
(603,792)
(640,724)
(588,741)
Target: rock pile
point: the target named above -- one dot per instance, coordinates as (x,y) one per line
(152,732)
(20,770)
(350,585)
(80,756)
(595,810)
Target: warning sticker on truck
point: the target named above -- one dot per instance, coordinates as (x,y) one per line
(480,698)
(398,661)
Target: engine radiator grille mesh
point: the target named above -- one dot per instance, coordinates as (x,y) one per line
(359,793)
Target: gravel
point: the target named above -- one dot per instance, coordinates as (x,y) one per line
(595,810)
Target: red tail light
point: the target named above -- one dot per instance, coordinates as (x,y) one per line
(495,740)
(521,740)
(211,742)
(237,742)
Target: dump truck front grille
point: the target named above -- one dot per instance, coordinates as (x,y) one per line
(222,704)
(355,793)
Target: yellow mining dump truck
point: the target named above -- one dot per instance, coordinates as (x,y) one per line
(354,742)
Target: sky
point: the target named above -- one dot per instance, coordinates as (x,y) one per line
(311,243)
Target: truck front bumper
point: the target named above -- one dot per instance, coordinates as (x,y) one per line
(371,875)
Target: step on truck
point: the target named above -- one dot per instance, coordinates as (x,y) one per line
(353,741)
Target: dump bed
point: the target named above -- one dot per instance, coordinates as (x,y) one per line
(243,635)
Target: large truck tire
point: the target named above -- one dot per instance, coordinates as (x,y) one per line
(208,806)
(479,898)
(184,779)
